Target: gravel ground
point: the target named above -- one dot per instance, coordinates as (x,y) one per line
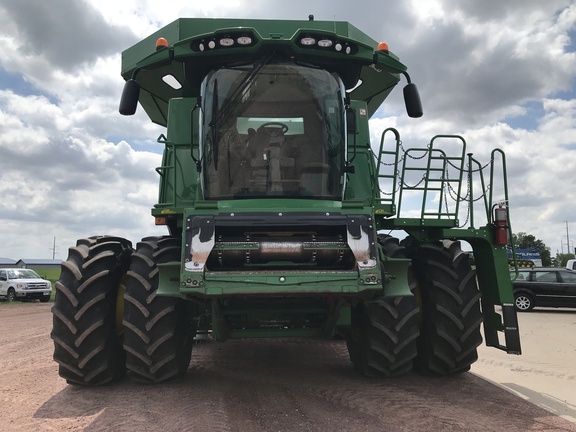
(278,385)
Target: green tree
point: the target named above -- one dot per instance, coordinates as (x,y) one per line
(522,240)
(562,259)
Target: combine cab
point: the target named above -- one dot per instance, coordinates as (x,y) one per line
(279,214)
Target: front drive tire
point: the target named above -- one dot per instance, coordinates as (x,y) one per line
(451,316)
(159,331)
(383,334)
(86,334)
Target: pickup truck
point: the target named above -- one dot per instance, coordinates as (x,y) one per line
(22,283)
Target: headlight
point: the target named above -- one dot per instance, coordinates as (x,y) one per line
(21,285)
(307,41)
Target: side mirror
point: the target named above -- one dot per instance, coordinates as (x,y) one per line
(412,101)
(129,99)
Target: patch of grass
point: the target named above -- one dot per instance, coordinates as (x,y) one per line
(52,275)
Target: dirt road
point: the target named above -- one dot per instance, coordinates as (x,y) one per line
(256,385)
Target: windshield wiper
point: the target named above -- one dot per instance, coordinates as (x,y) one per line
(214,124)
(241,89)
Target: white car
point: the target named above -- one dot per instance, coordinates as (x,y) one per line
(22,283)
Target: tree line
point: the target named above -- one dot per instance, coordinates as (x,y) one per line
(523,240)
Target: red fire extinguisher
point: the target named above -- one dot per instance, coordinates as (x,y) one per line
(501,225)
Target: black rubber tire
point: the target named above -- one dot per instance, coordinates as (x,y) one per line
(450,302)
(159,331)
(86,331)
(523,302)
(10,295)
(384,331)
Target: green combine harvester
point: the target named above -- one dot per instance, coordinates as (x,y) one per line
(280,214)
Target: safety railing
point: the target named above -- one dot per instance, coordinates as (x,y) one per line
(428,185)
(164,171)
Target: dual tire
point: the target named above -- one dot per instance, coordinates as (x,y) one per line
(108,319)
(436,331)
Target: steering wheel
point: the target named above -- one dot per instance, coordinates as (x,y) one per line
(274,129)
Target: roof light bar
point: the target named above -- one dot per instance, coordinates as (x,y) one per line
(223,41)
(324,42)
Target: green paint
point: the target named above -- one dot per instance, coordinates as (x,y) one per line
(279,223)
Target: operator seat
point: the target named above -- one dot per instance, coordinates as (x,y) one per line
(272,166)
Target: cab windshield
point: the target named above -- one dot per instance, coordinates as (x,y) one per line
(274,130)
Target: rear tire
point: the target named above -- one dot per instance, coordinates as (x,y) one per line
(86,331)
(451,316)
(383,334)
(159,336)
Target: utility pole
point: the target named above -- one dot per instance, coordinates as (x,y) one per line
(568,249)
(53,248)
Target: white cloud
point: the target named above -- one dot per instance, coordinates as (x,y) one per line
(75,167)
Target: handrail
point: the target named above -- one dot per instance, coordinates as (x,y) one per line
(435,184)
(429,182)
(164,169)
(390,199)
(506,198)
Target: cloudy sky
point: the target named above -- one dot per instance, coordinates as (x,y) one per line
(500,73)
